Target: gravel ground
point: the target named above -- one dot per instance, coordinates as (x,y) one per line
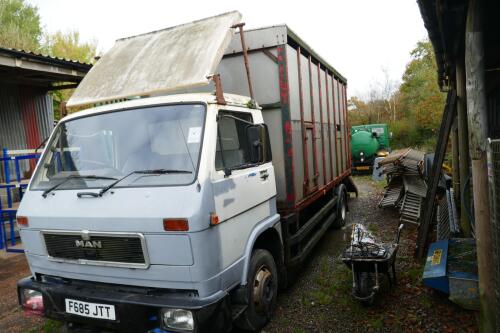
(319,300)
(13,266)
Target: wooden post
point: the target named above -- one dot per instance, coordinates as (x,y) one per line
(463,150)
(478,129)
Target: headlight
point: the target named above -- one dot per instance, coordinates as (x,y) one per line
(32,302)
(361,154)
(178,319)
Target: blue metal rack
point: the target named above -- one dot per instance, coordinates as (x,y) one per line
(8,210)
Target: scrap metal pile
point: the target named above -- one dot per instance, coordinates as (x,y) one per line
(406,186)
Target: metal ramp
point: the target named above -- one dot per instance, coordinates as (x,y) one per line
(410,208)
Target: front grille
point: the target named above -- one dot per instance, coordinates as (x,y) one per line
(98,248)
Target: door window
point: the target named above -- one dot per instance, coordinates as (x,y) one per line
(232,148)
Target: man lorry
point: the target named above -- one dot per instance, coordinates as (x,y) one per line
(174,205)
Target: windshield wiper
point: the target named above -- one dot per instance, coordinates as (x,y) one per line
(47,191)
(144,172)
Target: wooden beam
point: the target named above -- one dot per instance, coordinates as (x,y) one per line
(463,148)
(477,110)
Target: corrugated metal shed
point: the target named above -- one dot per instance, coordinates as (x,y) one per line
(26,107)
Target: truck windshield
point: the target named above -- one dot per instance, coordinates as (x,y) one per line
(108,146)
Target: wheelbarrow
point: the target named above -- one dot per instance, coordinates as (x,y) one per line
(367,259)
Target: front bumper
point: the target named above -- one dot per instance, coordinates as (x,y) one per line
(137,308)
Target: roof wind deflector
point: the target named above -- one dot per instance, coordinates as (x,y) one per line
(161,61)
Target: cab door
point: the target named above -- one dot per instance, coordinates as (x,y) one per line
(244,190)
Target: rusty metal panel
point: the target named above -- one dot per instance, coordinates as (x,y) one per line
(315,106)
(12,133)
(298,159)
(333,131)
(159,61)
(338,128)
(293,82)
(306,87)
(324,126)
(21,128)
(310,157)
(45,114)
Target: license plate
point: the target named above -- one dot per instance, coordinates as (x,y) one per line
(363,168)
(92,310)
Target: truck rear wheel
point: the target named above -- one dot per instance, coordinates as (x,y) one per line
(262,291)
(340,220)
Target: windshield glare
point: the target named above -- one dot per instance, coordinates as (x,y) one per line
(116,143)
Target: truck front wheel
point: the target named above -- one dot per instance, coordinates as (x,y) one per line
(262,291)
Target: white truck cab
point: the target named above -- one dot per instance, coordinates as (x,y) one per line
(172,211)
(176,196)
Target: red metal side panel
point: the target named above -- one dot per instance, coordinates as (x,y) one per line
(328,115)
(287,126)
(314,136)
(303,128)
(323,152)
(348,128)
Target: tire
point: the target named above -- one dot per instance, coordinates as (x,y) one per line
(262,291)
(341,218)
(364,288)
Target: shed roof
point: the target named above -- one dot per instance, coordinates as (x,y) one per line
(34,69)
(445,22)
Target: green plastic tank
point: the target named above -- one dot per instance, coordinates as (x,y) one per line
(364,145)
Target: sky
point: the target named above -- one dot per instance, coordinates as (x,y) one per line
(362,39)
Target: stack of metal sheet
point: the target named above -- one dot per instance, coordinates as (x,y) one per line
(392,194)
(406,188)
(403,162)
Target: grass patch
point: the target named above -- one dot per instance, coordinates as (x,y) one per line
(321,297)
(373,228)
(377,323)
(414,274)
(49,326)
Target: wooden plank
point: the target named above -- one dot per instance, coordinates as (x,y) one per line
(437,165)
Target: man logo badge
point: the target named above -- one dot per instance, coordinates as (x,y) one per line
(88,244)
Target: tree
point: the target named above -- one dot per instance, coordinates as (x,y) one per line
(420,95)
(69,46)
(19,25)
(412,109)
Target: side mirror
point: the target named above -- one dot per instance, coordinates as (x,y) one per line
(255,140)
(258,143)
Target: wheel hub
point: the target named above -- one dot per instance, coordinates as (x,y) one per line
(262,288)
